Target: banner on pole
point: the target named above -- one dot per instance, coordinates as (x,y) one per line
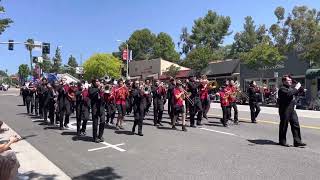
(125,55)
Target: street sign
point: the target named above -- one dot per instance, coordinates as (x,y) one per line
(276,74)
(40,59)
(79,70)
(37,46)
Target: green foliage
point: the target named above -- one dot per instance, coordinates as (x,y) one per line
(100,65)
(4,23)
(250,37)
(263,55)
(172,71)
(312,52)
(208,31)
(198,58)
(164,48)
(46,66)
(30,45)
(141,42)
(72,63)
(146,45)
(24,71)
(3,73)
(57,62)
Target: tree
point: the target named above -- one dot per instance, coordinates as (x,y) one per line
(3,73)
(29,46)
(262,56)
(57,61)
(141,42)
(198,58)
(172,71)
(208,31)
(24,71)
(46,66)
(164,48)
(312,52)
(245,40)
(4,23)
(100,65)
(72,63)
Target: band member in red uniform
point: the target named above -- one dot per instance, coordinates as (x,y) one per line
(179,105)
(120,93)
(204,96)
(159,99)
(224,101)
(232,100)
(110,105)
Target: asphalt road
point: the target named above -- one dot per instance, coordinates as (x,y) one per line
(246,151)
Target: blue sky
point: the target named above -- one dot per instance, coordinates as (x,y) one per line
(92,26)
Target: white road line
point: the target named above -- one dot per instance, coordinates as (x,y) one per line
(109,146)
(221,132)
(114,146)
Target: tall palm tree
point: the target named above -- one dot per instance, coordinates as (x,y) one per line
(29,46)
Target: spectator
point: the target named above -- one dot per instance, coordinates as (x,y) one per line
(9,163)
(2,129)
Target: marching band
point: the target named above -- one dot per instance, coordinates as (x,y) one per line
(103,99)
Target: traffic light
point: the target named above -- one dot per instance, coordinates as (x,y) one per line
(45,48)
(10,45)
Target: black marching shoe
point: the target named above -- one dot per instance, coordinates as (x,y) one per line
(133,130)
(101,139)
(174,128)
(140,134)
(192,125)
(96,140)
(255,122)
(299,144)
(184,128)
(284,144)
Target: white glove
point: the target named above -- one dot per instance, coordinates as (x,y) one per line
(298,85)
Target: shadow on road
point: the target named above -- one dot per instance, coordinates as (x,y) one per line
(123,132)
(106,173)
(20,105)
(262,142)
(35,175)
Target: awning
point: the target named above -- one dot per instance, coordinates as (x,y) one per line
(312,73)
(222,68)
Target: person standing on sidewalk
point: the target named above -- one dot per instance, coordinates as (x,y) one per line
(254,94)
(287,112)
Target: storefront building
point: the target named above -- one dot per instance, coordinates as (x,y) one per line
(150,69)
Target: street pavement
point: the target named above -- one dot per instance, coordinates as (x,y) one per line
(245,151)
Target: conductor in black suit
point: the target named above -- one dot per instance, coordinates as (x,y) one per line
(287,113)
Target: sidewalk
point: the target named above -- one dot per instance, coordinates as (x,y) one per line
(273,110)
(33,164)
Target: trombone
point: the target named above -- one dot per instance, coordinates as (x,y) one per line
(186,96)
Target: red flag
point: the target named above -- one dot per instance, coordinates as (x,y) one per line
(125,55)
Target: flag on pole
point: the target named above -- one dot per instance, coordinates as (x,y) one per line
(124,55)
